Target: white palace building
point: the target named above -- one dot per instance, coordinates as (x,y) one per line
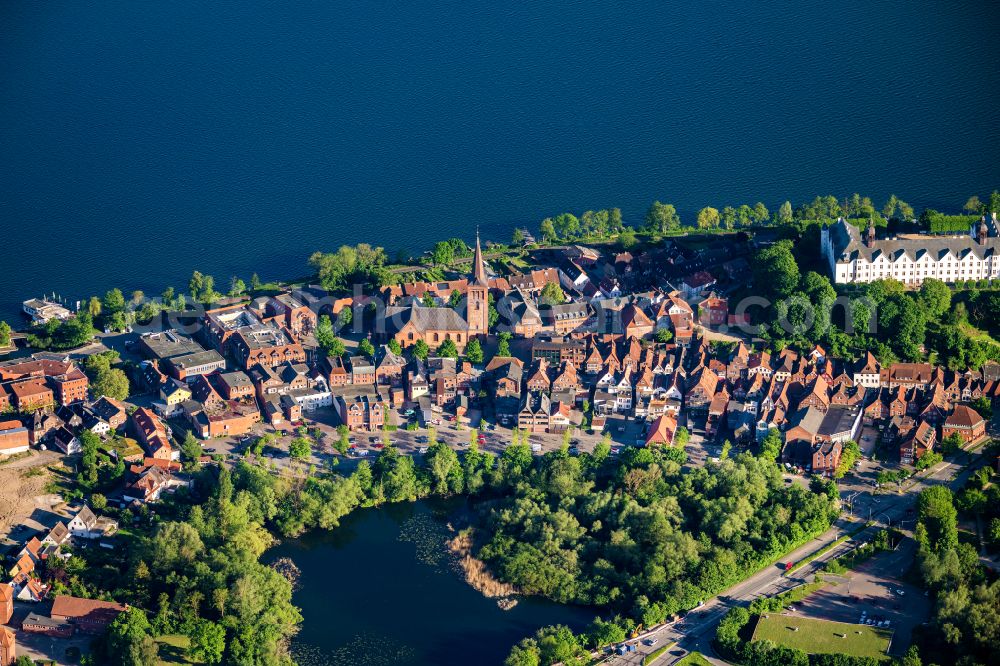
(910,258)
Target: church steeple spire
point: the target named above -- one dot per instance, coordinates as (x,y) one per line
(478,267)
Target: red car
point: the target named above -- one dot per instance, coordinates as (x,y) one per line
(380,445)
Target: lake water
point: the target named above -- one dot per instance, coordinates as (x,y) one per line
(382,590)
(142,140)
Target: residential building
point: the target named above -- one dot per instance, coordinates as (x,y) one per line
(713,311)
(189,366)
(916,442)
(41,310)
(965,422)
(87,525)
(152,434)
(14,438)
(661,431)
(167,344)
(90,616)
(361,412)
(911,258)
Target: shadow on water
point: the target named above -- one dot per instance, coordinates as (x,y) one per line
(382,589)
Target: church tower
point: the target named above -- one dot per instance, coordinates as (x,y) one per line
(7,647)
(871,233)
(981,233)
(477,305)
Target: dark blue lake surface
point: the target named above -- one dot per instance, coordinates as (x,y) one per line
(382,590)
(141,140)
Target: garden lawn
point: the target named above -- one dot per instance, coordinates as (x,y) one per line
(823,636)
(171,650)
(694,659)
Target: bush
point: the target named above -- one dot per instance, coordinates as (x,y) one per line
(938,223)
(728,633)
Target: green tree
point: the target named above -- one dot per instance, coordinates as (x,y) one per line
(983,406)
(114,301)
(775,269)
(552,294)
(394,346)
(503,346)
(517,238)
(785,213)
(550,645)
(300,448)
(443,253)
(362,264)
(973,206)
(661,218)
(627,238)
(5,334)
(111,382)
(770,446)
(420,349)
(366,348)
(760,213)
(889,209)
(208,293)
(606,633)
(663,335)
(928,460)
(237,287)
(191,451)
(935,297)
(326,338)
(455,299)
(708,218)
(936,512)
(474,351)
(448,349)
(196,285)
(548,230)
(255,282)
(727,219)
(995,202)
(345,317)
(94,306)
(129,640)
(208,642)
(442,461)
(849,455)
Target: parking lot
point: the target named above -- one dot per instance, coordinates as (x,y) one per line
(873,593)
(492,438)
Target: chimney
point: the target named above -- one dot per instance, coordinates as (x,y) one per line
(981,233)
(871,233)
